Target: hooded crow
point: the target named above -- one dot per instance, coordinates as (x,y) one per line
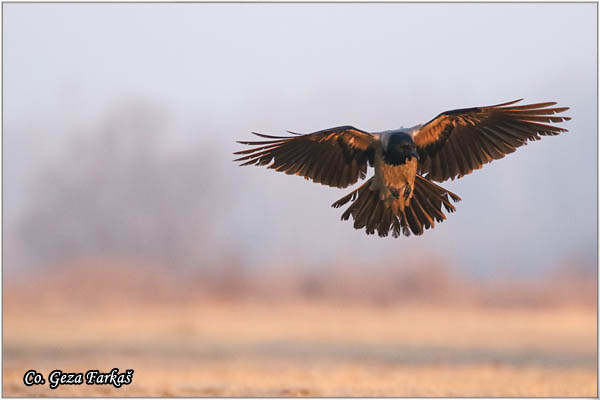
(401,196)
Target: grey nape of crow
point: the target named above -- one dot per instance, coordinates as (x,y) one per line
(401,197)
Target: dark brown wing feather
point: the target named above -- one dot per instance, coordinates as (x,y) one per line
(335,157)
(456,142)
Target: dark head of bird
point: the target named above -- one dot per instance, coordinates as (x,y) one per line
(400,149)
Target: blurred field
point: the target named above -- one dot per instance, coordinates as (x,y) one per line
(191,344)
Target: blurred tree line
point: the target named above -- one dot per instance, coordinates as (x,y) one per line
(117,193)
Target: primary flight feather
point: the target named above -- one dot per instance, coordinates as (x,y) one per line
(401,197)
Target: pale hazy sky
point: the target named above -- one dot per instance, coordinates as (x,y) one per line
(219,71)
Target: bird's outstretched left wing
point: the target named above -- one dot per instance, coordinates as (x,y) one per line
(335,157)
(456,142)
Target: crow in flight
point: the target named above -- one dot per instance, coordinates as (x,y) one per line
(401,197)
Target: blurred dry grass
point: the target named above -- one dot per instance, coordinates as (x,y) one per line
(421,332)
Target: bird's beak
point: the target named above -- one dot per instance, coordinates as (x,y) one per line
(416,155)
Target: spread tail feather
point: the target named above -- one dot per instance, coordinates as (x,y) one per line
(371,213)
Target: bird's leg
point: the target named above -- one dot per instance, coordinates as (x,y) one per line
(407,192)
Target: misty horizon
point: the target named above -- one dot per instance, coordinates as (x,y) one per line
(173,84)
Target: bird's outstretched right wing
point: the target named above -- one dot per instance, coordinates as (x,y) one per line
(334,157)
(456,142)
